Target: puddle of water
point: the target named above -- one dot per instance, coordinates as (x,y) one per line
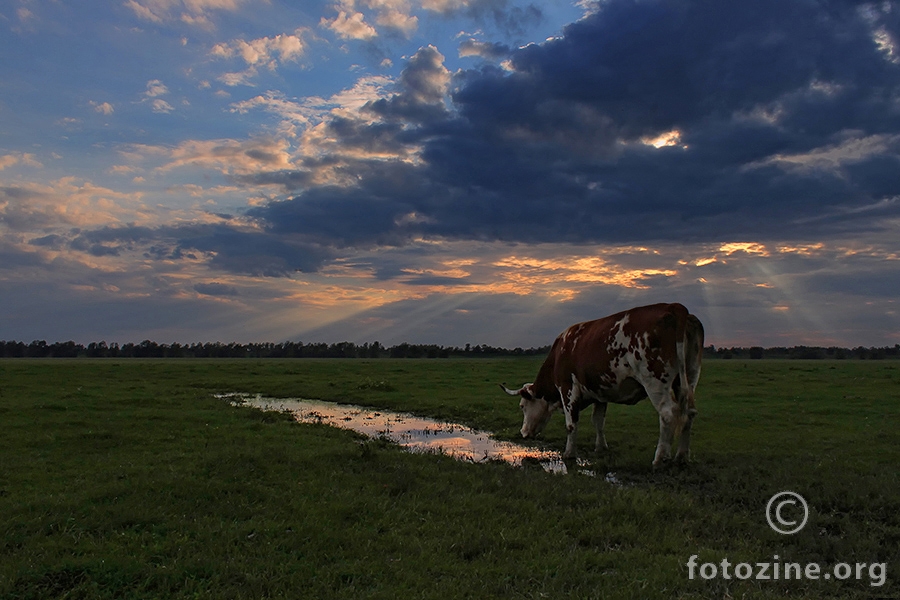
(418,434)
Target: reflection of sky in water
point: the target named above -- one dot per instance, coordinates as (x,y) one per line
(419,434)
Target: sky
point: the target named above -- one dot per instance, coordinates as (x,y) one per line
(448,171)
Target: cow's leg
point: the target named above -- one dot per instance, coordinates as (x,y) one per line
(664,402)
(572,429)
(571,449)
(684,444)
(599,418)
(569,403)
(688,412)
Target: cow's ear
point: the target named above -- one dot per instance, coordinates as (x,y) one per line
(526,394)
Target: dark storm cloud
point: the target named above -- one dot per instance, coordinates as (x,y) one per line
(53,241)
(216,289)
(552,151)
(423,85)
(657,65)
(291,181)
(254,253)
(232,249)
(380,209)
(388,138)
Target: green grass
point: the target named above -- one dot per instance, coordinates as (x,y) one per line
(128,479)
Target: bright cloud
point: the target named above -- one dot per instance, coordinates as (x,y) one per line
(68,202)
(266,52)
(351,22)
(192,12)
(227,156)
(350,25)
(104,108)
(568,274)
(156,88)
(19,158)
(852,149)
(161,106)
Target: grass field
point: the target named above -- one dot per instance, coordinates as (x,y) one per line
(128,479)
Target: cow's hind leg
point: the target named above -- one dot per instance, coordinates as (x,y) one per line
(687,412)
(669,415)
(599,418)
(684,443)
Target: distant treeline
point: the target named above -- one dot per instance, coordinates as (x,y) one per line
(148,349)
(804,352)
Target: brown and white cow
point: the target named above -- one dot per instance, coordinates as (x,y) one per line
(650,351)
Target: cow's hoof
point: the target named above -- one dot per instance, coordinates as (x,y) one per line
(661,464)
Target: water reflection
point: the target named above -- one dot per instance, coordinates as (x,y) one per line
(419,434)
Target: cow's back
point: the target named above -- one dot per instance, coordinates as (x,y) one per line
(602,352)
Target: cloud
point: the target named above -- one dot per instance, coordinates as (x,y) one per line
(216,289)
(349,24)
(220,245)
(227,156)
(191,12)
(264,50)
(155,89)
(485,50)
(314,110)
(642,121)
(367,20)
(52,241)
(267,52)
(65,203)
(104,108)
(18,158)
(423,86)
(159,105)
(395,17)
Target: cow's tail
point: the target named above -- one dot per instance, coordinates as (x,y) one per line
(685,350)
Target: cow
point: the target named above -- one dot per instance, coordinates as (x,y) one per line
(649,351)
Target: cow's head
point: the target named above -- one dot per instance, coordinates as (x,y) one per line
(536,411)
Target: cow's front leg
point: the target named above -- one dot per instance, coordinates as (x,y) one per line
(599,418)
(572,429)
(570,400)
